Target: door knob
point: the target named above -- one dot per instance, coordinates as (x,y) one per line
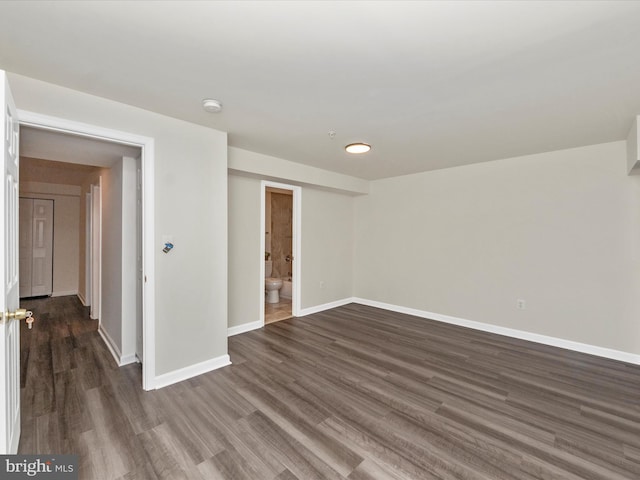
(20,314)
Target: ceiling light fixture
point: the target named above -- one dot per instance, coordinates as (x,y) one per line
(212,106)
(357,148)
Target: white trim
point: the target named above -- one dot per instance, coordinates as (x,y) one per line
(82,299)
(296,290)
(86,300)
(79,129)
(147,144)
(245,327)
(64,294)
(128,359)
(148,267)
(120,359)
(325,306)
(96,242)
(15,441)
(111,344)
(509,332)
(261,292)
(191,371)
(296,245)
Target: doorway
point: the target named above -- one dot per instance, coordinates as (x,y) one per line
(143,145)
(280,251)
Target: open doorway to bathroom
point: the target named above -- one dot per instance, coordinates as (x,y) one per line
(280,251)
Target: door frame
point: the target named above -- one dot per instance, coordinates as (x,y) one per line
(95,259)
(296,244)
(87,250)
(147,146)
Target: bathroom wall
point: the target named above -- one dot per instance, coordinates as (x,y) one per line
(281,233)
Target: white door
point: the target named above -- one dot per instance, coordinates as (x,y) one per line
(42,263)
(9,329)
(36,247)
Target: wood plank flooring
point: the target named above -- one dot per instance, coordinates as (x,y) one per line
(354,392)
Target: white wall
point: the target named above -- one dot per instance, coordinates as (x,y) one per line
(119,275)
(267,167)
(111,309)
(560,230)
(244,250)
(327,247)
(66,220)
(128,244)
(66,224)
(190,181)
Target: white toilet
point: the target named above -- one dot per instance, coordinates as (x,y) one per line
(271,285)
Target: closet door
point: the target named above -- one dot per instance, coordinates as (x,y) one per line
(42,260)
(36,247)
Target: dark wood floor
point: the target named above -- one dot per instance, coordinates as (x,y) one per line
(353,392)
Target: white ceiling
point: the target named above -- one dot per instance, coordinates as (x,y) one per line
(64,147)
(428,84)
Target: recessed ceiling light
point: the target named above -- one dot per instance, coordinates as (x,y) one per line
(212,106)
(357,148)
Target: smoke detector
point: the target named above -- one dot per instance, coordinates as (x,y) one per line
(212,106)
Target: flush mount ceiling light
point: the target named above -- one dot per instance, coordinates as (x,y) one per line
(212,106)
(357,148)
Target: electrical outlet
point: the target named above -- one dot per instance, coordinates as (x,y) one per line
(521,304)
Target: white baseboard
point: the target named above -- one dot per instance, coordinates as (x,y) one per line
(82,299)
(128,359)
(111,345)
(245,327)
(64,294)
(509,332)
(120,359)
(325,306)
(191,371)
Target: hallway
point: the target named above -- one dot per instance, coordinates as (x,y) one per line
(75,400)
